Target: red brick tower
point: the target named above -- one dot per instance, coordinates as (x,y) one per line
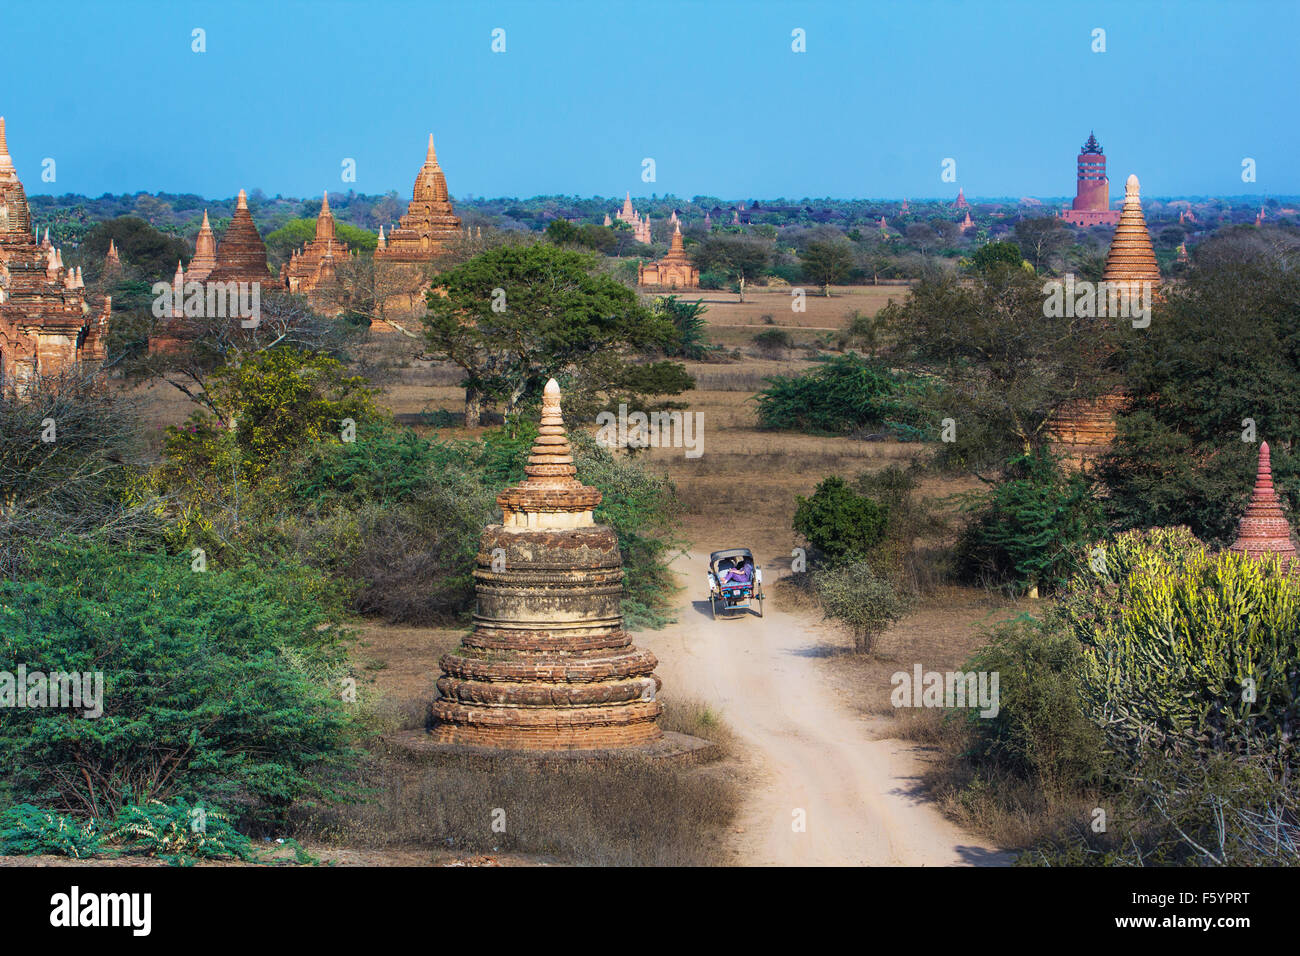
(1091,206)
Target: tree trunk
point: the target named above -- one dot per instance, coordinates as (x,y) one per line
(473,406)
(742,288)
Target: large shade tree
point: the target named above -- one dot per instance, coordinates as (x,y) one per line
(516,315)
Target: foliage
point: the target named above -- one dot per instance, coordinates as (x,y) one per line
(910,518)
(993,254)
(688,318)
(178,832)
(295,233)
(26,830)
(840,523)
(857,596)
(1008,369)
(1033,526)
(849,394)
(1041,732)
(216,685)
(514,316)
(1187,651)
(827,263)
(146,253)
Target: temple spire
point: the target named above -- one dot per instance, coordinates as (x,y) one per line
(431,157)
(325,203)
(5,161)
(242,202)
(1264,529)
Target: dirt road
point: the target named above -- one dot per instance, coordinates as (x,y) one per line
(815,761)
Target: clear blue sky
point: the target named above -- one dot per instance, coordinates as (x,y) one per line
(711,90)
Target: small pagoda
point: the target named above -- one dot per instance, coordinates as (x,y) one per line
(673,271)
(1264,530)
(430,223)
(548,666)
(312,266)
(205,253)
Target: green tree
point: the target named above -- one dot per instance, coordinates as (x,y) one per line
(1042,239)
(827,263)
(992,254)
(738,257)
(840,523)
(688,318)
(513,316)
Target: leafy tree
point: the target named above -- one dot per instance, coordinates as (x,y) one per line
(992,254)
(1033,527)
(738,257)
(827,263)
(861,598)
(281,243)
(688,318)
(1042,239)
(146,252)
(514,316)
(840,523)
(1008,368)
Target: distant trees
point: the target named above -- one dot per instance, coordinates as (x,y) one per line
(1042,240)
(296,232)
(146,252)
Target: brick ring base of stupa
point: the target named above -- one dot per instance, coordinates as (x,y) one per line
(669,747)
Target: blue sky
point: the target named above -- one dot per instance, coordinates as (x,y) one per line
(710,90)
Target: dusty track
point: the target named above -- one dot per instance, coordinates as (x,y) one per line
(861,796)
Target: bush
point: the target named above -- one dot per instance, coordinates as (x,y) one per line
(223,685)
(1191,652)
(178,832)
(1032,528)
(26,830)
(840,523)
(909,519)
(855,595)
(1041,731)
(848,394)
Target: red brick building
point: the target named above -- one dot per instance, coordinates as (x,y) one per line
(1091,206)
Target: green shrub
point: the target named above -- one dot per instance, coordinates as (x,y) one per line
(771,341)
(178,832)
(857,596)
(26,830)
(221,686)
(848,394)
(838,522)
(1032,528)
(1041,731)
(1190,652)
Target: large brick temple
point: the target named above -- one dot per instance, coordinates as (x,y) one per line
(548,665)
(1091,206)
(46,321)
(241,254)
(430,223)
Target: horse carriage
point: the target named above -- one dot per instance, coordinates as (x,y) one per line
(735,581)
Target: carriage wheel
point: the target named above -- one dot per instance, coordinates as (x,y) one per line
(713,606)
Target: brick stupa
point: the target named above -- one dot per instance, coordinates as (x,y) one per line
(673,271)
(1264,530)
(430,222)
(241,254)
(548,666)
(1083,431)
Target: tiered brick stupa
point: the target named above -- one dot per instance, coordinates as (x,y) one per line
(312,266)
(112,261)
(673,271)
(46,322)
(205,253)
(430,222)
(1264,530)
(241,254)
(1091,206)
(548,666)
(1084,431)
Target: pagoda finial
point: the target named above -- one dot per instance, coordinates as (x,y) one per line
(431,157)
(5,161)
(205,225)
(242,202)
(1131,187)
(325,202)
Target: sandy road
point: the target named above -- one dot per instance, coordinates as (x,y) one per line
(859,797)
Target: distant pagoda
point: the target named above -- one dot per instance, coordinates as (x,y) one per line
(1264,530)
(1131,259)
(312,266)
(1091,206)
(640,226)
(548,665)
(430,223)
(112,261)
(673,271)
(241,254)
(205,253)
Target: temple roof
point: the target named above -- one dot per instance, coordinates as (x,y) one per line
(552,484)
(1092,146)
(1131,257)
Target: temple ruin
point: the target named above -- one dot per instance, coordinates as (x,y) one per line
(430,223)
(311,268)
(673,271)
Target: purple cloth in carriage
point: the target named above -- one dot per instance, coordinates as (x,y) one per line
(739,576)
